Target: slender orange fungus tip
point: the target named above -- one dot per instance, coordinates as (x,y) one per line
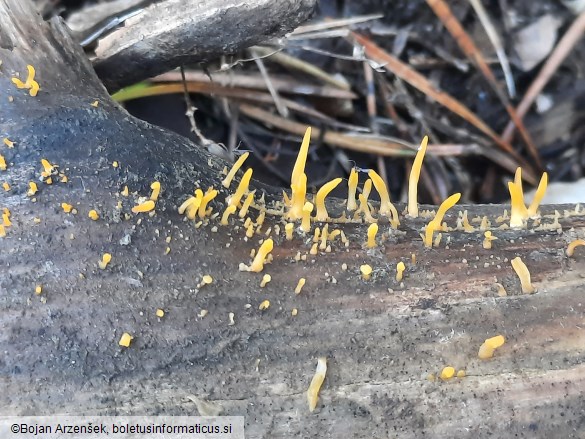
(227,181)
(414,178)
(372,231)
(538,196)
(322,214)
(352,189)
(258,262)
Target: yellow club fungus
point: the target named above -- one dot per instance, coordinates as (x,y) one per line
(367,189)
(48,168)
(160,313)
(435,224)
(316,383)
(414,177)
(486,350)
(300,285)
(314,249)
(9,143)
(288,228)
(324,237)
(264,305)
(299,167)
(206,280)
(265,279)
(227,181)
(234,200)
(316,234)
(2,231)
(386,207)
(155,186)
(115,164)
(461,373)
(366,271)
(258,262)
(372,231)
(106,259)
(538,196)
(447,373)
(38,290)
(487,240)
(2,163)
(519,212)
(95,104)
(247,203)
(124,192)
(67,208)
(365,209)
(352,189)
(294,312)
(231,316)
(125,340)
(574,244)
(209,195)
(322,214)
(93,215)
(6,186)
(306,221)
(524,275)
(226,214)
(400,267)
(32,188)
(6,220)
(147,206)
(299,191)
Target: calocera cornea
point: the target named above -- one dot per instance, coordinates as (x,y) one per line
(322,214)
(487,240)
(258,262)
(366,271)
(226,214)
(316,383)
(155,186)
(299,191)
(209,195)
(227,181)
(300,285)
(435,223)
(306,219)
(265,279)
(523,274)
(352,184)
(246,205)
(386,207)
(234,200)
(447,373)
(372,231)
(125,340)
(106,259)
(289,228)
(519,213)
(2,163)
(264,305)
(9,143)
(400,267)
(487,349)
(147,206)
(93,215)
(573,245)
(414,178)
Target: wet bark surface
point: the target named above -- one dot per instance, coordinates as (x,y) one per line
(382,338)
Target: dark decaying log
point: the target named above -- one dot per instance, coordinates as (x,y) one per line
(382,339)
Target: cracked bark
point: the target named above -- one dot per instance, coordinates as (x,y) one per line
(62,356)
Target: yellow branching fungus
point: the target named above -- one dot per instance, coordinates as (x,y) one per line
(125,340)
(372,231)
(486,350)
(147,206)
(487,240)
(247,203)
(299,167)
(264,305)
(447,373)
(386,207)
(435,224)
(414,177)
(191,205)
(30,84)
(258,262)
(524,275)
(574,244)
(226,214)
(237,165)
(352,189)
(209,195)
(93,215)
(265,279)
(322,214)
(306,221)
(9,143)
(288,228)
(106,259)
(366,271)
(400,267)
(519,212)
(155,186)
(300,285)
(316,383)
(2,163)
(538,196)
(32,188)
(299,191)
(234,200)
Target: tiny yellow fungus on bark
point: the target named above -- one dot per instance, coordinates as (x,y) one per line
(366,271)
(2,163)
(247,203)
(487,241)
(265,279)
(314,249)
(316,234)
(67,208)
(322,214)
(9,143)
(94,104)
(234,200)
(486,350)
(147,206)
(573,245)
(352,189)
(316,383)
(106,259)
(206,280)
(447,373)
(6,186)
(538,196)
(400,267)
(48,168)
(160,313)
(372,231)
(258,262)
(209,195)
(125,191)
(227,181)
(461,373)
(264,305)
(299,167)
(306,221)
(414,177)
(125,340)
(155,186)
(386,207)
(299,191)
(365,209)
(226,214)
(367,189)
(524,275)
(294,312)
(6,219)
(2,231)
(32,188)
(435,224)
(300,285)
(38,289)
(93,215)
(288,228)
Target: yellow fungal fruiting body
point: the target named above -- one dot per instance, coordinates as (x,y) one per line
(487,241)
(486,350)
(247,203)
(226,214)
(524,275)
(300,285)
(352,189)
(316,383)
(67,208)
(155,186)
(38,290)
(414,177)
(264,305)
(2,163)
(386,207)
(258,262)
(574,244)
(538,196)
(124,192)
(366,271)
(299,191)
(106,259)
(237,165)
(322,214)
(6,186)
(400,267)
(9,143)
(306,221)
(265,279)
(288,228)
(160,313)
(93,215)
(125,340)
(299,167)
(234,200)
(447,373)
(435,224)
(32,188)
(372,231)
(206,280)
(2,231)
(147,206)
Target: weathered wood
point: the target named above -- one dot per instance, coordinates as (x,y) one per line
(62,356)
(175,32)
